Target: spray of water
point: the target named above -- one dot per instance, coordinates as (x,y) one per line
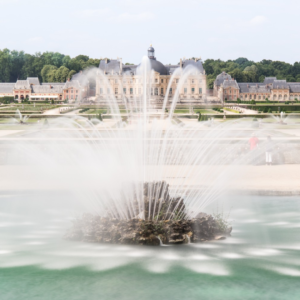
(107,163)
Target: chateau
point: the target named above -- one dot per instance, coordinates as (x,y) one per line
(124,83)
(33,90)
(227,88)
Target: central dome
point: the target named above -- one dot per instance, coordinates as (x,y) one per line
(158,67)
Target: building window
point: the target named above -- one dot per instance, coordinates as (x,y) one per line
(185,90)
(76,92)
(162,81)
(170,91)
(156,91)
(116,91)
(156,80)
(116,80)
(124,90)
(162,91)
(177,80)
(108,91)
(193,90)
(250,97)
(192,80)
(131,91)
(200,90)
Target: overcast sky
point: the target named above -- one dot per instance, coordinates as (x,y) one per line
(225,29)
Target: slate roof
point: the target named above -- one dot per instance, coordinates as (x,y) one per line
(197,64)
(230,83)
(250,87)
(221,78)
(53,83)
(6,87)
(280,84)
(113,66)
(269,80)
(294,87)
(22,84)
(49,89)
(33,80)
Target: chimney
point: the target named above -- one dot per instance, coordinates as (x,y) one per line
(180,63)
(106,60)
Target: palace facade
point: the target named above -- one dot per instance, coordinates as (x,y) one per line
(124,82)
(33,90)
(227,88)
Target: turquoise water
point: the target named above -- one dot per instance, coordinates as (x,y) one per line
(260,261)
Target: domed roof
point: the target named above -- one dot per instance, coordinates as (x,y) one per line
(151,49)
(157,66)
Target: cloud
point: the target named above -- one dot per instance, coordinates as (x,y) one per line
(141,17)
(35,39)
(258,20)
(90,13)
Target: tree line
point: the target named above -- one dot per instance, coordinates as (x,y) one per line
(244,70)
(57,67)
(47,66)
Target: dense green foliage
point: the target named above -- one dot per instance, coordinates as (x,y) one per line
(244,70)
(48,66)
(6,99)
(57,67)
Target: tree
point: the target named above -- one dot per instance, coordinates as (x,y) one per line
(71,73)
(238,75)
(62,74)
(48,73)
(199,117)
(5,65)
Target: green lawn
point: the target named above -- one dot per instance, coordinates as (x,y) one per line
(29,107)
(232,110)
(206,111)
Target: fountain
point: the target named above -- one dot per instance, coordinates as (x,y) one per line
(148,182)
(138,174)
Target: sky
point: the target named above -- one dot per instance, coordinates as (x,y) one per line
(216,29)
